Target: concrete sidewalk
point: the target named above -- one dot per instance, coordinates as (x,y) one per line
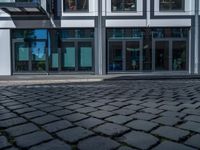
(86,78)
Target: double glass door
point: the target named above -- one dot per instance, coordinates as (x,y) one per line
(29,56)
(170,54)
(77,56)
(124,55)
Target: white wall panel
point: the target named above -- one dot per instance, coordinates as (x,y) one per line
(5,52)
(77,23)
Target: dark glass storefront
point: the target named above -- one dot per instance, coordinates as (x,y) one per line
(53,51)
(72,50)
(147,49)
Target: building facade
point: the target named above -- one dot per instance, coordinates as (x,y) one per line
(99,36)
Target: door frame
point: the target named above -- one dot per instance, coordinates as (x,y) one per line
(124,41)
(14,41)
(170,57)
(76,41)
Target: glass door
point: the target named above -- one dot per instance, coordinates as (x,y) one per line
(21,55)
(85,56)
(115,53)
(179,55)
(68,57)
(133,56)
(29,56)
(77,56)
(161,55)
(39,56)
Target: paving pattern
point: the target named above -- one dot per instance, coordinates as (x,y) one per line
(108,115)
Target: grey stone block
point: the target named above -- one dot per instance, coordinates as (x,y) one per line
(119,119)
(32,139)
(139,140)
(89,123)
(194,141)
(73,135)
(111,129)
(171,133)
(22,129)
(167,145)
(52,145)
(56,126)
(97,143)
(142,125)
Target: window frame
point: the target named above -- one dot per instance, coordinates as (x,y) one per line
(172,10)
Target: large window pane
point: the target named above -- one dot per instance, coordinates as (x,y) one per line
(38,50)
(171,5)
(133,55)
(75,5)
(123,5)
(115,56)
(162,55)
(179,55)
(21,56)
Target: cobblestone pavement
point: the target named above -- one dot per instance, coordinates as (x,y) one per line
(108,115)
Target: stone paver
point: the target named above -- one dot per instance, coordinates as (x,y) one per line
(167,145)
(52,145)
(74,134)
(139,140)
(75,117)
(101,114)
(192,126)
(22,129)
(98,143)
(56,126)
(171,121)
(3,142)
(44,119)
(32,139)
(142,125)
(107,115)
(89,122)
(171,133)
(111,129)
(119,119)
(11,122)
(194,141)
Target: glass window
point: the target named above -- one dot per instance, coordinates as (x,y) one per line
(123,5)
(170,32)
(75,5)
(172,5)
(179,52)
(30,34)
(77,33)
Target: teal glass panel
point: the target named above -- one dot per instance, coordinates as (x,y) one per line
(23,54)
(55,60)
(69,57)
(86,57)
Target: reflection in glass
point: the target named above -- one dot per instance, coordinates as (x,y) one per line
(21,57)
(124,5)
(179,55)
(171,5)
(162,55)
(133,55)
(85,56)
(115,56)
(38,50)
(75,5)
